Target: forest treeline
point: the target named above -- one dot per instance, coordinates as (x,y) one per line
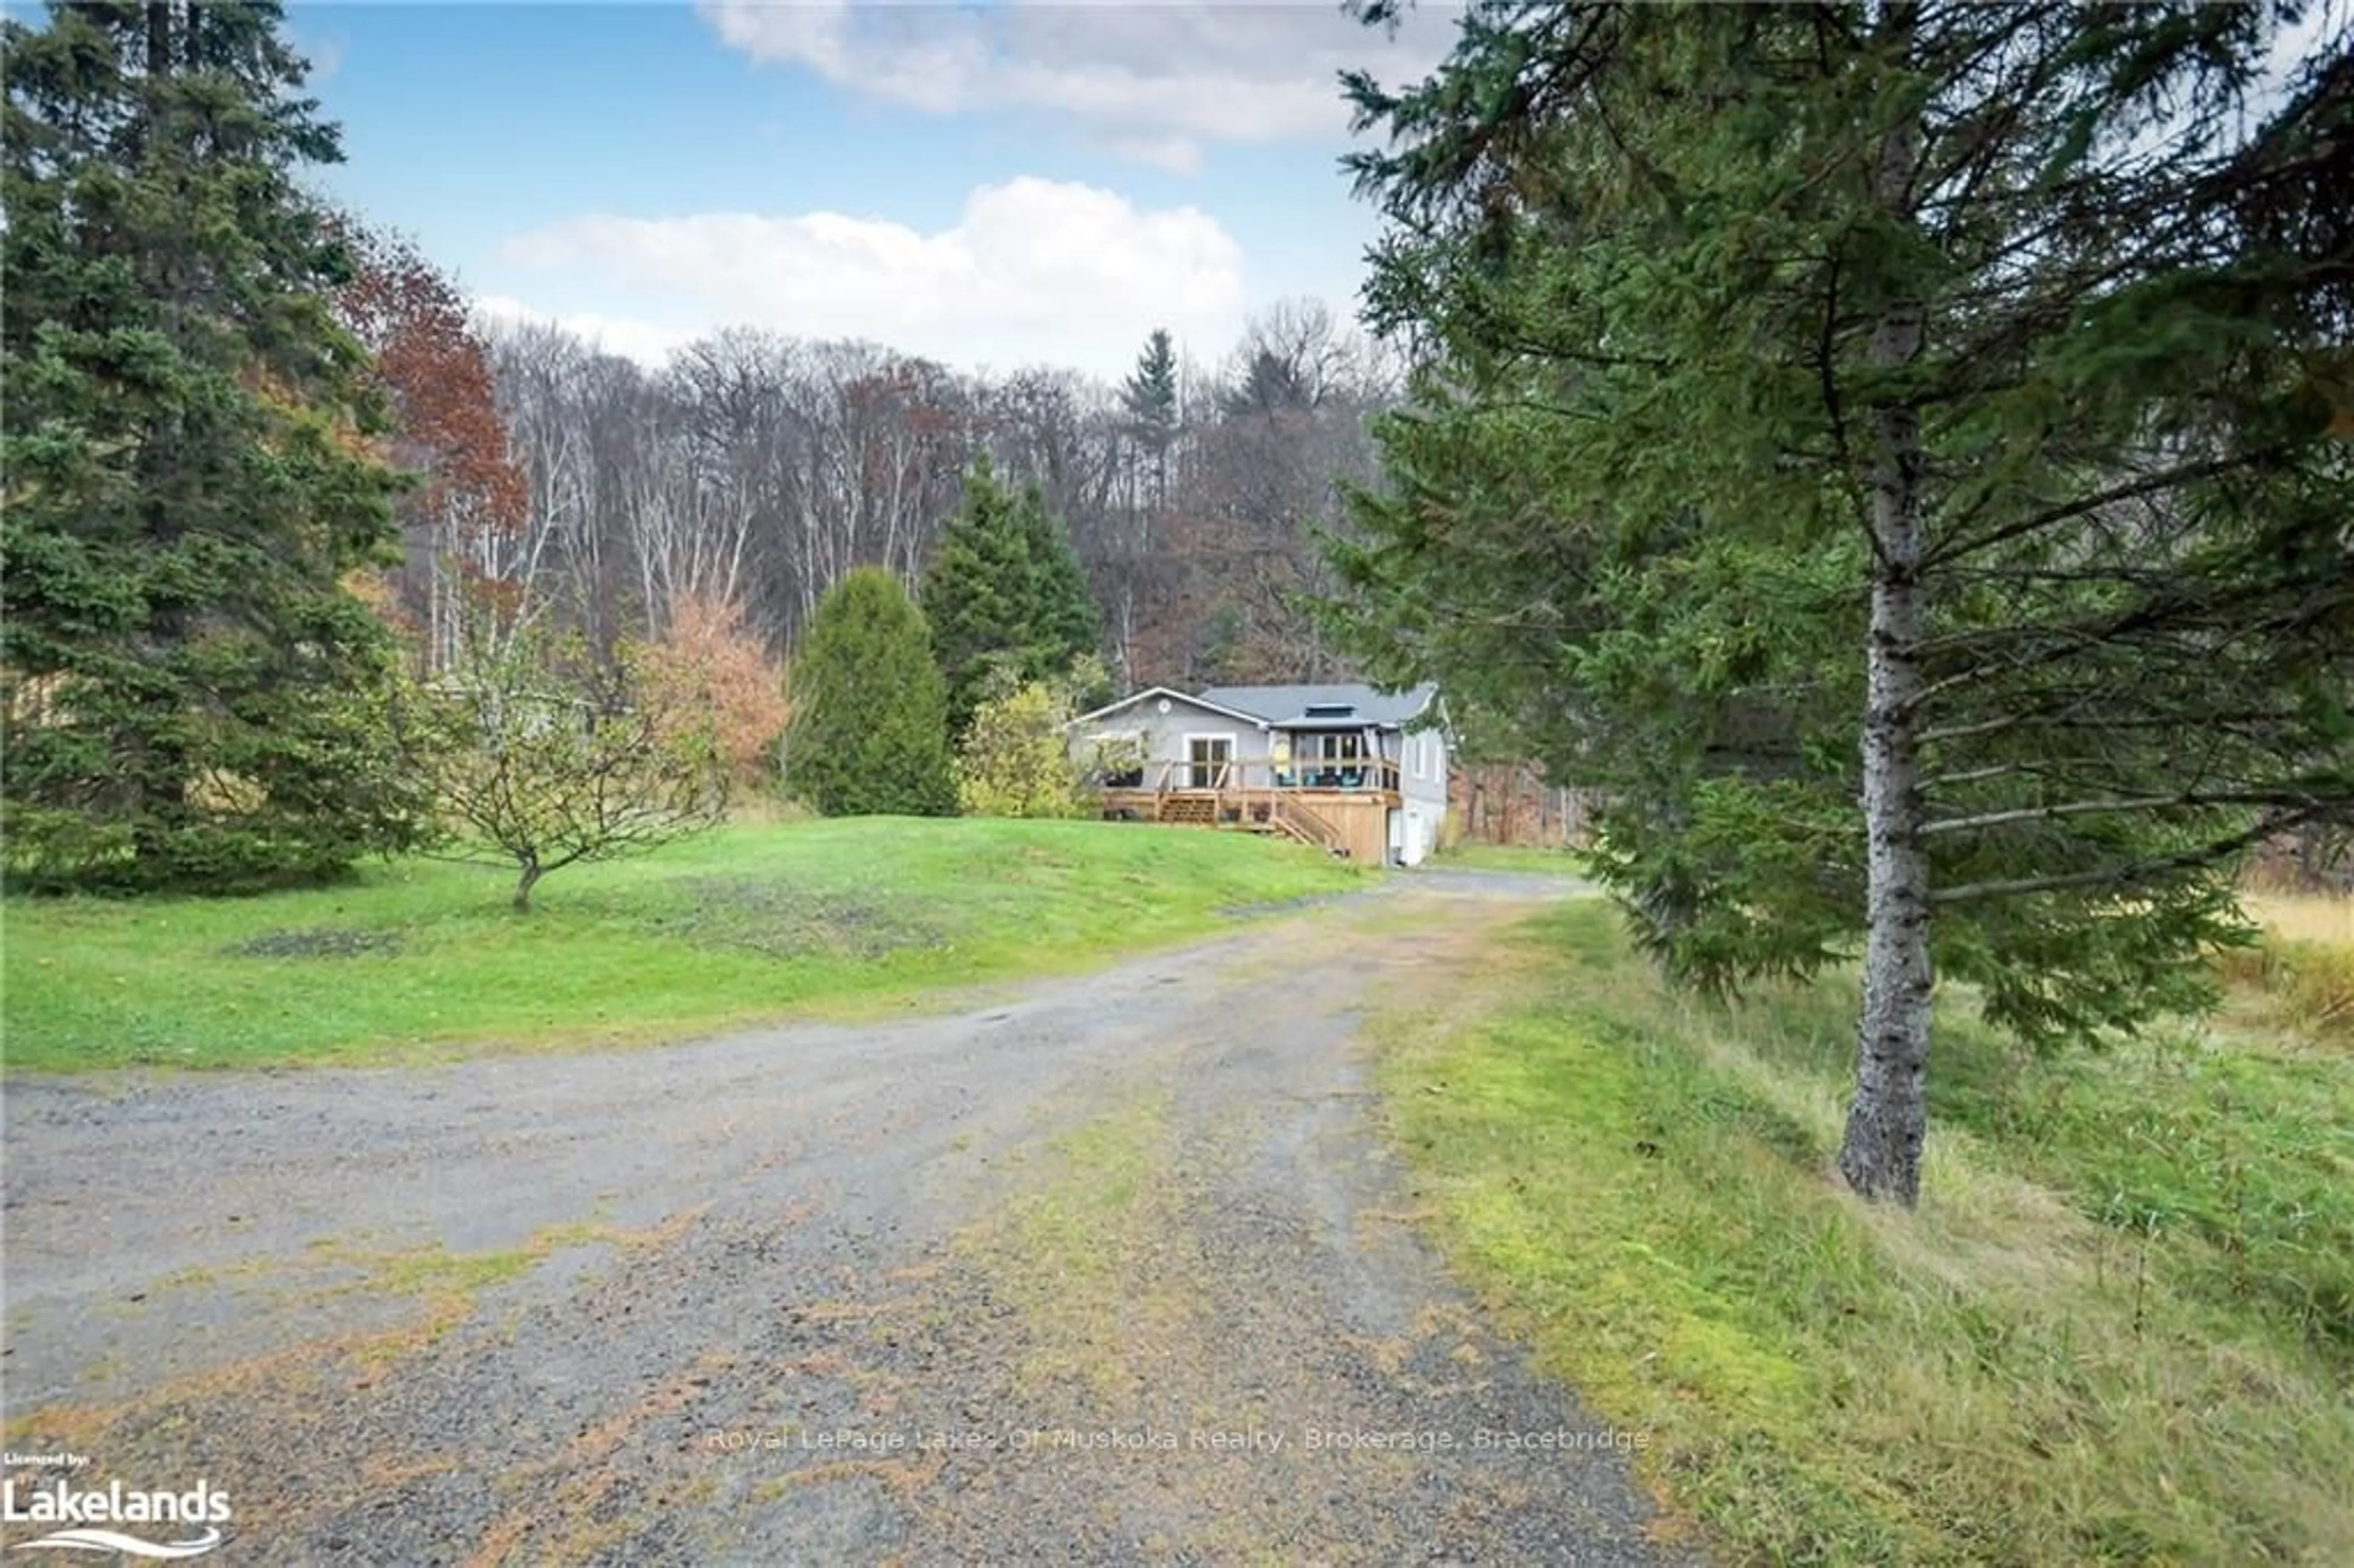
(759,468)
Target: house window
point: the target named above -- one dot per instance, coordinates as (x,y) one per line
(1346,746)
(1208,759)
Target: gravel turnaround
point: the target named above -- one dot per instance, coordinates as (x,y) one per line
(1111,1269)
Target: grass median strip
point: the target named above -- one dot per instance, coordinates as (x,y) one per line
(418,957)
(1535,860)
(2118,1330)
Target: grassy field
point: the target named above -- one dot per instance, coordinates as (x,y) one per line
(1510,857)
(2120,1330)
(419,958)
(2300,980)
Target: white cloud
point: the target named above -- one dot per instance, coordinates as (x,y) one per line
(1032,270)
(649,346)
(1150,80)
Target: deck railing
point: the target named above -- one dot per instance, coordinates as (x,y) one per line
(1238,778)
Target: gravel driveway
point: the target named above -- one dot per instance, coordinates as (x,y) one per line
(1101,1270)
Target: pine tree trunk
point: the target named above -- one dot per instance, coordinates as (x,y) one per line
(1888,1123)
(1881,1156)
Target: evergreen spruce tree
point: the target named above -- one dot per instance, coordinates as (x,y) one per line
(870,737)
(1066,626)
(1005,595)
(1148,397)
(1898,452)
(185,682)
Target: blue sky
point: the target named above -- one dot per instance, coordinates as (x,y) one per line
(989,185)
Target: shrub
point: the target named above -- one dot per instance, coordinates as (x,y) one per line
(1016,757)
(871,737)
(708,669)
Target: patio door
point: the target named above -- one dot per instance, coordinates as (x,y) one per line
(1207,756)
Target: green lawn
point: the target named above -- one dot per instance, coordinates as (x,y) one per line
(2120,1330)
(419,957)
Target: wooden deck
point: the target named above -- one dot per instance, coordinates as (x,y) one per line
(1343,810)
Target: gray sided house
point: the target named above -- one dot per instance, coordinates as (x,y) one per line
(1356,771)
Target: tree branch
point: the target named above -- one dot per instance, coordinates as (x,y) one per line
(2186,800)
(2119,875)
(2149,485)
(1970,776)
(2063,720)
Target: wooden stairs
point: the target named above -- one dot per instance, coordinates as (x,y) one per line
(1308,825)
(1205,808)
(1189,810)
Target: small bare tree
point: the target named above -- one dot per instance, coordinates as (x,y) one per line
(543,756)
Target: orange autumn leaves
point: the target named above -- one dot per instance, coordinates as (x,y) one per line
(707,667)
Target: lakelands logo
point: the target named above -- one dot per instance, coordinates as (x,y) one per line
(91,1512)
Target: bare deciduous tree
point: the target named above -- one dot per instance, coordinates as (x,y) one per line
(760,470)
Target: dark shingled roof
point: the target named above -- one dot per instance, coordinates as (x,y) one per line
(1282,704)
